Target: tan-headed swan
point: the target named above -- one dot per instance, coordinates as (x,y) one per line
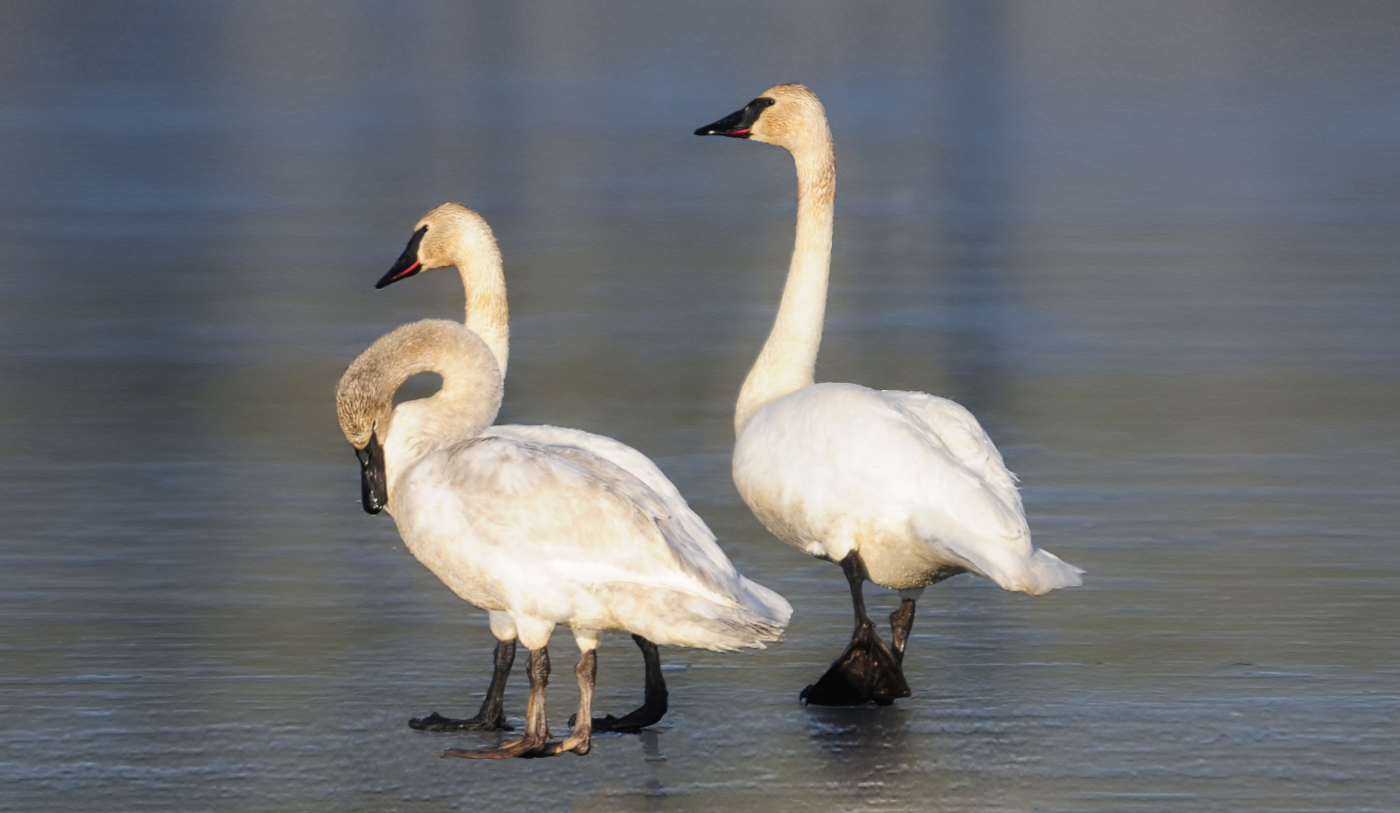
(540,534)
(901,488)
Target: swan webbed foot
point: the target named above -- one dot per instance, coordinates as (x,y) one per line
(491,716)
(580,743)
(526,747)
(649,713)
(867,672)
(439,724)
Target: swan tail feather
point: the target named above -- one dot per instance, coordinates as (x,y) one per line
(674,618)
(1045,572)
(764,602)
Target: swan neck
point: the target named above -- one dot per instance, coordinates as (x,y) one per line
(466,404)
(487,312)
(788,360)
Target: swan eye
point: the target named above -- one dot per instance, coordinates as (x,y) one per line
(756,107)
(749,115)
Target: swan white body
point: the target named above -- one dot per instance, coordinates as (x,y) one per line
(552,535)
(908,480)
(541,534)
(902,488)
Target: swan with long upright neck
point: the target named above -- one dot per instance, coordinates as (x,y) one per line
(902,489)
(541,535)
(455,235)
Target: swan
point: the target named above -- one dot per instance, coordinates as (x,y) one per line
(454,235)
(540,534)
(903,489)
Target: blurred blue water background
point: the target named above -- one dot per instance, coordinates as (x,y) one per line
(1152,245)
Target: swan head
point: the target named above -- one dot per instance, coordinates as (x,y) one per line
(364,399)
(364,417)
(445,236)
(785,115)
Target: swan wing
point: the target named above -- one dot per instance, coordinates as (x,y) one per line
(619,454)
(934,460)
(952,427)
(692,540)
(690,543)
(976,510)
(834,450)
(841,461)
(553,522)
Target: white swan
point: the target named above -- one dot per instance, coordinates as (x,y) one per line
(455,235)
(542,535)
(901,488)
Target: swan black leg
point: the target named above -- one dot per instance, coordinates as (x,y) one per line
(867,672)
(492,716)
(901,622)
(654,702)
(536,739)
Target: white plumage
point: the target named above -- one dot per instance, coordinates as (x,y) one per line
(554,534)
(907,479)
(902,488)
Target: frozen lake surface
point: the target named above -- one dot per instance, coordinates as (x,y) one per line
(1153,246)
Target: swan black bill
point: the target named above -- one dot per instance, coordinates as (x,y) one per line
(374,486)
(738,124)
(407,265)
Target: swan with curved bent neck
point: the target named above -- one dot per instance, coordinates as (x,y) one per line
(454,235)
(901,488)
(541,535)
